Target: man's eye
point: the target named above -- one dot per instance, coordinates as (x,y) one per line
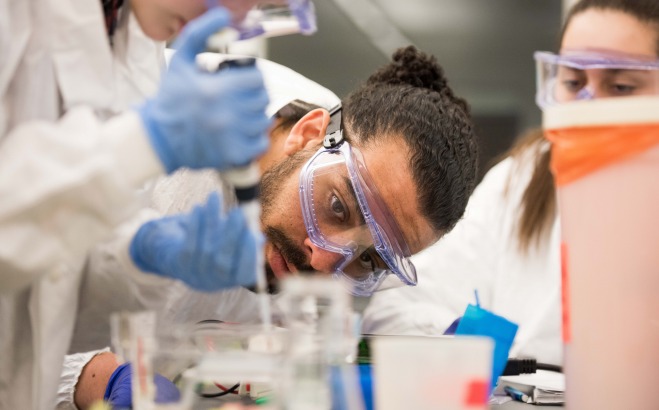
(367,261)
(338,209)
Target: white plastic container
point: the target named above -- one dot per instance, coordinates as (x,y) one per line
(429,373)
(605,157)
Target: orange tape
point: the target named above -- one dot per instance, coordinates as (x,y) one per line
(579,151)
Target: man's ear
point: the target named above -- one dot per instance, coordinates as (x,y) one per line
(307,132)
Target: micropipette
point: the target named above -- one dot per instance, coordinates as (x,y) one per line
(245,181)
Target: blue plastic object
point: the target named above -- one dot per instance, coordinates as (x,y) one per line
(340,390)
(477,321)
(366,382)
(119,391)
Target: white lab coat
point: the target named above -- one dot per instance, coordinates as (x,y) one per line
(67,176)
(112,283)
(482,252)
(63,169)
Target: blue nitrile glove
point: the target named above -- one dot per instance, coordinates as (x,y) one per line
(204,248)
(119,391)
(206,120)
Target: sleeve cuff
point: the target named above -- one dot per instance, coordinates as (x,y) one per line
(73,365)
(136,159)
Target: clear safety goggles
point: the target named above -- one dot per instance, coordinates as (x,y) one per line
(345,216)
(584,75)
(270,18)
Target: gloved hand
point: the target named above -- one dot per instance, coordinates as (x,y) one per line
(119,391)
(206,120)
(205,249)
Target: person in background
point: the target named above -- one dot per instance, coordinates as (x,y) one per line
(78,137)
(385,126)
(508,244)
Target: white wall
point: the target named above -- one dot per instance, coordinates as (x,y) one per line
(567,4)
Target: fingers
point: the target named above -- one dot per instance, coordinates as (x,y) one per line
(224,250)
(249,149)
(239,79)
(246,263)
(245,78)
(213,239)
(192,252)
(255,130)
(213,206)
(251,102)
(241,257)
(236,101)
(235,224)
(212,224)
(212,3)
(192,40)
(220,250)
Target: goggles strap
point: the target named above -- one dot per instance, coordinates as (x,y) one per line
(334,134)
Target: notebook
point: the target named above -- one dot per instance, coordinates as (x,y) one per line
(542,388)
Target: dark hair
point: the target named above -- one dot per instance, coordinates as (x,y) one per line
(409,98)
(538,205)
(291,113)
(646,11)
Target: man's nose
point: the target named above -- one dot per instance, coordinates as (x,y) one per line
(322,260)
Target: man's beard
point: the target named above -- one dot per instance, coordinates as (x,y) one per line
(271,187)
(274,178)
(290,251)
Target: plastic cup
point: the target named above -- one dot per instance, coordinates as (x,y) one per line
(431,372)
(605,158)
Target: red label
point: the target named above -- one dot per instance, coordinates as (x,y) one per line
(565,294)
(477,391)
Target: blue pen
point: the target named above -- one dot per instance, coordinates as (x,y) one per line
(516,394)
